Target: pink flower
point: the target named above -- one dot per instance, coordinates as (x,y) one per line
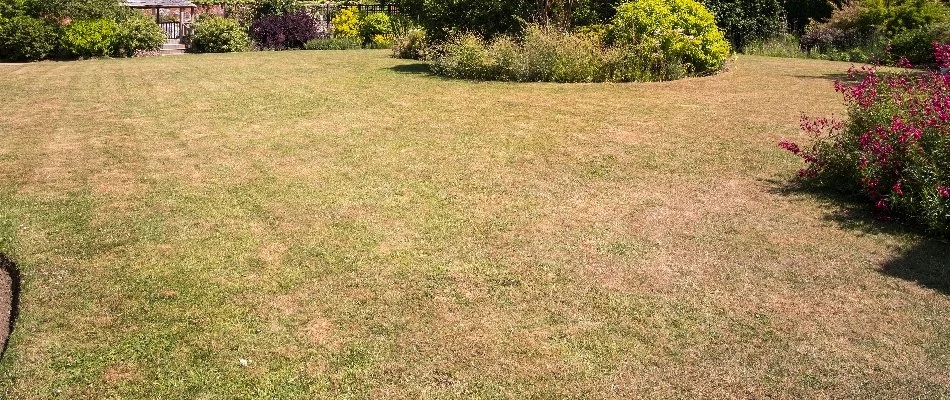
(792,147)
(898,189)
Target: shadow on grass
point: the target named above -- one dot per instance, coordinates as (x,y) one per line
(414,68)
(11,298)
(926,262)
(843,77)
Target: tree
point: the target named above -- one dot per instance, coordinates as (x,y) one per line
(744,21)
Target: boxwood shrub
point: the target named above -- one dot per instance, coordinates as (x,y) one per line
(138,32)
(26,38)
(219,35)
(89,38)
(683,29)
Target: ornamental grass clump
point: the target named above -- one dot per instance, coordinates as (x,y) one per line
(648,40)
(894,149)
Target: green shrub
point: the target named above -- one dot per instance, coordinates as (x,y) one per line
(744,21)
(552,55)
(681,29)
(347,23)
(464,56)
(785,45)
(76,9)
(410,45)
(137,33)
(643,62)
(488,18)
(800,12)
(27,39)
(863,27)
(596,33)
(374,28)
(894,17)
(10,9)
(219,35)
(263,8)
(89,38)
(333,44)
(917,44)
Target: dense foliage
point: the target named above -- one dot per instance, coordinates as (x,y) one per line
(683,29)
(894,148)
(76,9)
(346,23)
(863,30)
(488,18)
(263,8)
(800,13)
(541,55)
(553,55)
(89,38)
(74,28)
(375,28)
(411,44)
(916,44)
(219,35)
(26,38)
(137,33)
(285,31)
(745,21)
(647,40)
(333,44)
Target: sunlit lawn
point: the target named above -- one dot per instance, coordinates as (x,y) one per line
(354,227)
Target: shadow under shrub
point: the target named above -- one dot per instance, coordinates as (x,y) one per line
(894,149)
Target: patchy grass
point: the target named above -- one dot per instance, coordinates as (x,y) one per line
(356,228)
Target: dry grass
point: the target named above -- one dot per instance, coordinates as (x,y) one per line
(355,228)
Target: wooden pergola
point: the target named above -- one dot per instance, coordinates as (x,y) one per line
(173,30)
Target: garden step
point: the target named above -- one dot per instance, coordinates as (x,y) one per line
(169,46)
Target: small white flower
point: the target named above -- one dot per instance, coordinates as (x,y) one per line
(244,362)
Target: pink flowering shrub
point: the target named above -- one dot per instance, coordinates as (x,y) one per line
(895,146)
(942,54)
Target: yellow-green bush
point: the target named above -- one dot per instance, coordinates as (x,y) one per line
(682,29)
(90,38)
(347,23)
